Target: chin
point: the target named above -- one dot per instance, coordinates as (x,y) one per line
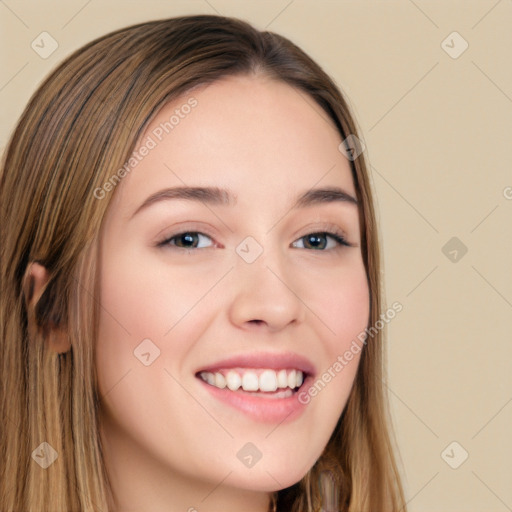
(270,477)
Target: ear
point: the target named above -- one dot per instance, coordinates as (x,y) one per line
(36,278)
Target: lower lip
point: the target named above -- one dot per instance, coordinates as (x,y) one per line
(260,408)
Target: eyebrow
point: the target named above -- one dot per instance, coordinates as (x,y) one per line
(223,197)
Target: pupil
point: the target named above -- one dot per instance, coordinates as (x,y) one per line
(187,238)
(316,241)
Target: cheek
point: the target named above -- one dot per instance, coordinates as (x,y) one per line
(349,310)
(146,297)
(140,302)
(343,306)
(343,309)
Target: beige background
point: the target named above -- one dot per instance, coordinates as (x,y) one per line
(438,135)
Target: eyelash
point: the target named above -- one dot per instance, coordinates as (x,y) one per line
(335,235)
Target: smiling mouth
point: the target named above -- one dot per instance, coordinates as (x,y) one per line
(262,382)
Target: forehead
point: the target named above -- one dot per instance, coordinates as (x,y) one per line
(251,134)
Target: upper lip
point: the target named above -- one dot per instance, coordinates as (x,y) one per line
(270,360)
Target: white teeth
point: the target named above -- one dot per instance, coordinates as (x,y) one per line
(234,381)
(292,379)
(282,379)
(250,381)
(267,381)
(209,377)
(220,380)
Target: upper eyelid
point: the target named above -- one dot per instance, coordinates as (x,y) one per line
(326,227)
(323,227)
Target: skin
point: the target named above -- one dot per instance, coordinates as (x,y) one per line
(58,339)
(169,445)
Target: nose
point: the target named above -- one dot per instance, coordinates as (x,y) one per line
(265,296)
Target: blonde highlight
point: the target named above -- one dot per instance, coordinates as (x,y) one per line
(79,128)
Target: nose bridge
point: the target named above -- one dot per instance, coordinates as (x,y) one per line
(264,288)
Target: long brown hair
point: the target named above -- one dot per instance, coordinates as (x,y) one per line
(78,129)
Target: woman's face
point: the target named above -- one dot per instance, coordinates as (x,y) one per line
(233,282)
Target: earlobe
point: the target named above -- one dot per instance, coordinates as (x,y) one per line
(36,277)
(35,280)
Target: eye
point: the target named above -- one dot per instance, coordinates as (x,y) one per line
(321,241)
(187,240)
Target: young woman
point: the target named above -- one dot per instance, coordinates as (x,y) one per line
(190,284)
